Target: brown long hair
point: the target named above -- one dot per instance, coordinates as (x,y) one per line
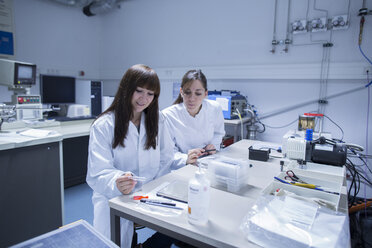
(136,76)
(191,76)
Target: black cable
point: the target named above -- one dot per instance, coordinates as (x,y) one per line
(356,178)
(363,171)
(281,126)
(365,179)
(356,171)
(263,125)
(365,163)
(350,200)
(342,131)
(357,155)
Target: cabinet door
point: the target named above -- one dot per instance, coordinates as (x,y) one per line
(75,158)
(30,192)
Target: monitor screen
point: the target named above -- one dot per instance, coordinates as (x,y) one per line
(57,89)
(24,74)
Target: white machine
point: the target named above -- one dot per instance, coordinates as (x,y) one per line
(19,77)
(76,110)
(295,145)
(28,107)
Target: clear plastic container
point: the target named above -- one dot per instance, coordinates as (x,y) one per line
(229,173)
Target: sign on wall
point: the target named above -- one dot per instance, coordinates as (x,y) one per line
(6,29)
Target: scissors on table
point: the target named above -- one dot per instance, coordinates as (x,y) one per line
(292,176)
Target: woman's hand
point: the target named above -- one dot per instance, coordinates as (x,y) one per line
(209,149)
(125,183)
(193,155)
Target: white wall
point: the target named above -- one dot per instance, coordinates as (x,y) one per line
(228,39)
(59,39)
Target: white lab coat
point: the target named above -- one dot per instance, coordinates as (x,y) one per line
(189,132)
(106,164)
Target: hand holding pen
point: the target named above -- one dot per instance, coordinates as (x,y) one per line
(127,182)
(196,153)
(209,149)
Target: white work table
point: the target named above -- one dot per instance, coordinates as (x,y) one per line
(63,130)
(222,229)
(226,209)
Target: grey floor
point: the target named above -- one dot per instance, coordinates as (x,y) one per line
(78,205)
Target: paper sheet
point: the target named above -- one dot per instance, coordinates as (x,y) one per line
(37,133)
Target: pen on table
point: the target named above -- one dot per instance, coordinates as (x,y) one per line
(158,202)
(162,205)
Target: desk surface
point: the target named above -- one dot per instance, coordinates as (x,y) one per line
(222,229)
(12,139)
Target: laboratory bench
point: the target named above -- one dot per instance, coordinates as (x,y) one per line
(33,174)
(227,208)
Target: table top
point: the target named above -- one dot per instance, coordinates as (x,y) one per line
(227,209)
(222,229)
(11,138)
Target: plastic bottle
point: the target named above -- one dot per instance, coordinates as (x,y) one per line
(198,198)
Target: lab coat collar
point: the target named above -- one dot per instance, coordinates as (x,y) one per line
(142,126)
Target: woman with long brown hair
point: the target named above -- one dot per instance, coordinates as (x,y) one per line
(127,141)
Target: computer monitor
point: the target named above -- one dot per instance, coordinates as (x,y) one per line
(24,74)
(17,74)
(57,89)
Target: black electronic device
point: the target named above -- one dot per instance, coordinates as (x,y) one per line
(96,101)
(57,89)
(331,154)
(258,154)
(90,94)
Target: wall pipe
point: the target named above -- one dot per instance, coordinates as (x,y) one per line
(285,109)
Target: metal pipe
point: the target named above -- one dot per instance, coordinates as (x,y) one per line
(274,42)
(285,109)
(275,12)
(287,41)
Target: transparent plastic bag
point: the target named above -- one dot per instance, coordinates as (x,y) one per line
(269,224)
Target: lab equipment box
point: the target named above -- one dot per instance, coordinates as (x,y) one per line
(230,173)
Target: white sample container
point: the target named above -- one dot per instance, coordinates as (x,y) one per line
(198,199)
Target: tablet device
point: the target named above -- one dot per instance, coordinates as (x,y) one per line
(175,190)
